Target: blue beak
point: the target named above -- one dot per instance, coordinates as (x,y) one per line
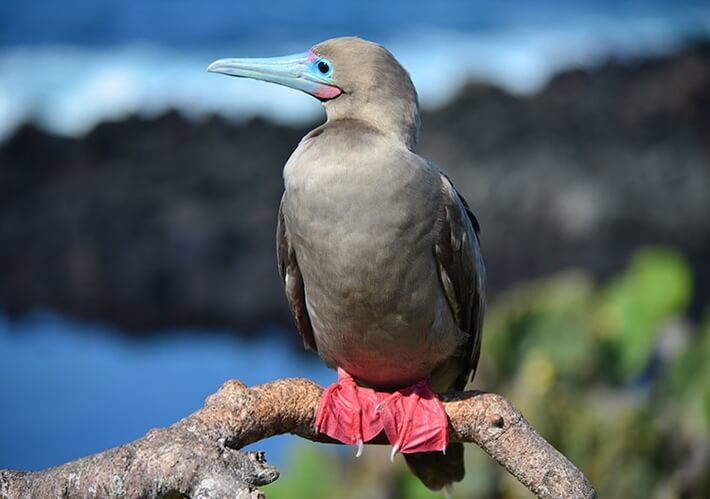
(299,71)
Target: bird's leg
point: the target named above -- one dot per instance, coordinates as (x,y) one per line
(414,419)
(347,412)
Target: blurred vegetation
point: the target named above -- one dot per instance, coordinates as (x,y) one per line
(611,374)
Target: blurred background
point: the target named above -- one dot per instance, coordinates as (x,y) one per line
(138,200)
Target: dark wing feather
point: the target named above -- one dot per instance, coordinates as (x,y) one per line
(462,273)
(293,282)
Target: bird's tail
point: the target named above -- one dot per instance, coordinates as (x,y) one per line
(437,470)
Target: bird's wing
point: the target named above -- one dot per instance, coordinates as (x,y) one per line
(293,282)
(462,273)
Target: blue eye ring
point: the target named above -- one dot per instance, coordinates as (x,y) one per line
(323,66)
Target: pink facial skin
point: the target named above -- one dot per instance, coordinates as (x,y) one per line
(327,92)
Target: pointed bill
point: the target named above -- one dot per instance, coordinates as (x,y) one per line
(298,71)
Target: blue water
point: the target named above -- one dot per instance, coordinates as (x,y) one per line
(191,23)
(69,389)
(69,65)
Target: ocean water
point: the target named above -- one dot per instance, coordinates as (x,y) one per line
(70,389)
(69,65)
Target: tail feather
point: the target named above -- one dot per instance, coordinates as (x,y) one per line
(437,470)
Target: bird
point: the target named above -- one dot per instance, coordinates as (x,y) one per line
(379,255)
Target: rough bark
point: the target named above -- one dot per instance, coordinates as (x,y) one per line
(198,456)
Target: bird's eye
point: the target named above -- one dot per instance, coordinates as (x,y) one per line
(323,67)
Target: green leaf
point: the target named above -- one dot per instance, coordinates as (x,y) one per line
(656,286)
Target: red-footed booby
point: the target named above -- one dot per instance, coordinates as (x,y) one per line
(379,255)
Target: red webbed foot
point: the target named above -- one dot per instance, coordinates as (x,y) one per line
(347,412)
(414,420)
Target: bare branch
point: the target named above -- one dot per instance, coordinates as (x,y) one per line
(198,456)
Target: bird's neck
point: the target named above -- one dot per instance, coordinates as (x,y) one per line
(396,117)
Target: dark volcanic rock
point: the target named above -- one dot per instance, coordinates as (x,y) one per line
(162,223)
(146,224)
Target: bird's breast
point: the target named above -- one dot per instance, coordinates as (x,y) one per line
(361,233)
(364,243)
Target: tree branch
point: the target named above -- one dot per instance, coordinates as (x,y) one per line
(198,456)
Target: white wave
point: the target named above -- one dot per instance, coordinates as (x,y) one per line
(68,90)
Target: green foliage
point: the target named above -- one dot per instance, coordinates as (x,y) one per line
(656,286)
(311,473)
(609,374)
(411,488)
(687,384)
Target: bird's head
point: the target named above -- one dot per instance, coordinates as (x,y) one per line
(352,77)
